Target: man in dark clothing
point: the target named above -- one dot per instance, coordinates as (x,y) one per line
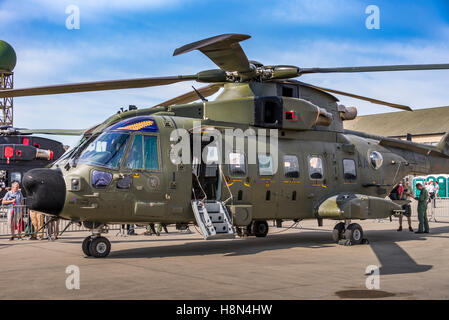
(422,209)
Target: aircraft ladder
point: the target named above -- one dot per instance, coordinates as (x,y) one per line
(213,219)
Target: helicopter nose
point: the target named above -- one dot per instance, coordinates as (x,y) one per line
(45,189)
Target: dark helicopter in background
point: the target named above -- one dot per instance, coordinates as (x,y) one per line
(20,152)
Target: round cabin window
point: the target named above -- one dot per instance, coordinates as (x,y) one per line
(376,159)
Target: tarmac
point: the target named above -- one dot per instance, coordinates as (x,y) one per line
(295,263)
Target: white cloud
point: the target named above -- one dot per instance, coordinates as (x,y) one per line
(52,10)
(310,11)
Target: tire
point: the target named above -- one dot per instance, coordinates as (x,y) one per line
(354,233)
(85,246)
(339,232)
(260,229)
(99,247)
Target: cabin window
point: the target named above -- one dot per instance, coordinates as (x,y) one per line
(265,164)
(349,170)
(212,155)
(237,165)
(316,170)
(376,159)
(291,166)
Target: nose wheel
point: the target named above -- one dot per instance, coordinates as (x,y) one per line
(98,247)
(86,244)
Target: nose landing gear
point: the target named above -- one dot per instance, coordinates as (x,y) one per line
(96,245)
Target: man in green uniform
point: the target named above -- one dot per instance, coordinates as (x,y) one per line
(422,209)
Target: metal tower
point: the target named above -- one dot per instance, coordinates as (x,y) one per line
(6,104)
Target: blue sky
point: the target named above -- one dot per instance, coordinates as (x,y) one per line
(136,38)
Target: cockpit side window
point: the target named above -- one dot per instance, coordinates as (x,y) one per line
(151,154)
(135,155)
(143,153)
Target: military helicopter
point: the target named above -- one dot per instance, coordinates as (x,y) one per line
(21,152)
(122,170)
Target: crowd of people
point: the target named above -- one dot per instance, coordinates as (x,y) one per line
(26,223)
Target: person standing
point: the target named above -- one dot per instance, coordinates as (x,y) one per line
(53,228)
(422,209)
(430,190)
(405,195)
(13,199)
(37,220)
(150,230)
(437,190)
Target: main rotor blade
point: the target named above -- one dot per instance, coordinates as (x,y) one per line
(409,67)
(192,95)
(95,86)
(58,132)
(347,94)
(224,50)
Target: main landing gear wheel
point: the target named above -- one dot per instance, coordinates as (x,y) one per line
(260,229)
(85,245)
(339,232)
(99,247)
(354,233)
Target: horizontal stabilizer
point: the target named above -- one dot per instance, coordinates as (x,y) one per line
(442,150)
(407,145)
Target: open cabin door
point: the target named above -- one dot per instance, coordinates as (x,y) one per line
(211,214)
(206,176)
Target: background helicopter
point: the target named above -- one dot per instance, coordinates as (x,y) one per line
(121,169)
(21,152)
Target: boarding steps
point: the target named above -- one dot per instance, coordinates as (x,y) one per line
(213,219)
